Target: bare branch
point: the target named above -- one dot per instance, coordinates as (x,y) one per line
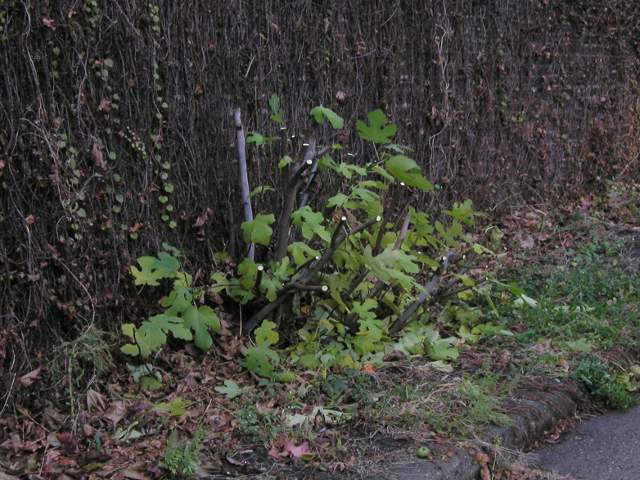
(294,184)
(432,285)
(350,321)
(245,191)
(299,283)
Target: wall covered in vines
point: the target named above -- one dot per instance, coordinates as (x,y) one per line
(116,131)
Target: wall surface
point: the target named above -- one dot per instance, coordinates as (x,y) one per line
(111,111)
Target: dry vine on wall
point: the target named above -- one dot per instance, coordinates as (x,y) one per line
(116,131)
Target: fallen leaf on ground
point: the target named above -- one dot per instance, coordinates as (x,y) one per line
(29,379)
(116,412)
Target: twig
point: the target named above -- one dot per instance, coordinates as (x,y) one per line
(294,184)
(304,195)
(244,176)
(339,236)
(350,321)
(429,289)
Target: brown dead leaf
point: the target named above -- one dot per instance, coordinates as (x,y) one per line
(202,219)
(88,430)
(266,407)
(98,156)
(30,378)
(133,474)
(485,474)
(95,400)
(220,422)
(105,105)
(296,451)
(527,242)
(368,368)
(283,447)
(49,23)
(116,412)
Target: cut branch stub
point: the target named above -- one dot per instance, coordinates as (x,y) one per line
(245,190)
(293,186)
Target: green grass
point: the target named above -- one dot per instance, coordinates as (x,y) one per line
(587,305)
(593,298)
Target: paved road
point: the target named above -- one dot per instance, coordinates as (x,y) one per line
(602,448)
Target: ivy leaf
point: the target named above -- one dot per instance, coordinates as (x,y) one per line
(405,169)
(277,115)
(248,271)
(179,299)
(302,253)
(382,172)
(203,321)
(371,332)
(442,349)
(321,113)
(364,309)
(365,199)
(266,334)
(338,200)
(347,170)
(230,389)
(463,212)
(270,287)
(261,189)
(284,161)
(130,349)
(373,184)
(153,269)
(152,334)
(379,129)
(259,139)
(310,223)
(175,408)
(392,266)
(167,323)
(259,230)
(129,330)
(261,361)
(396,148)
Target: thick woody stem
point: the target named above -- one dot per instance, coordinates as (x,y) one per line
(405,317)
(296,181)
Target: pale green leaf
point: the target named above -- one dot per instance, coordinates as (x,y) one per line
(405,169)
(259,230)
(321,113)
(379,130)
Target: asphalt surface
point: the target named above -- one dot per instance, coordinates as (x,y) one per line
(602,448)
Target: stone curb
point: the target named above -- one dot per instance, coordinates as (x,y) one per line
(534,413)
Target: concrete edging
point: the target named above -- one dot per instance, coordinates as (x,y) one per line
(534,414)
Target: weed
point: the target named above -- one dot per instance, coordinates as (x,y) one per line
(259,425)
(482,405)
(466,408)
(601,381)
(79,362)
(181,457)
